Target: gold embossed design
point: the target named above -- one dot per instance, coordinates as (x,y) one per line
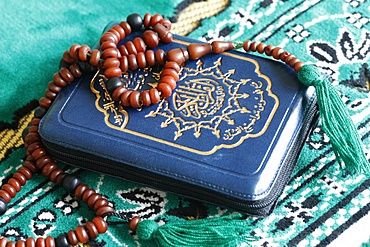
(220,109)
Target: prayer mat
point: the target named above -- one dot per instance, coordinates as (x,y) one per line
(320,206)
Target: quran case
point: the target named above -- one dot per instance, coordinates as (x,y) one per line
(230,134)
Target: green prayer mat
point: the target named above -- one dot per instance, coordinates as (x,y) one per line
(319,207)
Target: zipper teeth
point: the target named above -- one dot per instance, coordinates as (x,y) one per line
(256,207)
(70,159)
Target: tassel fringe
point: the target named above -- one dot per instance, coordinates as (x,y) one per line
(336,121)
(219,231)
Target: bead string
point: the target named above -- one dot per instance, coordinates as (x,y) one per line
(132,55)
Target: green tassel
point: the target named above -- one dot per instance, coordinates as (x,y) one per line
(219,231)
(336,121)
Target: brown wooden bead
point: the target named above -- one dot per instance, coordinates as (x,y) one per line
(11,244)
(125,98)
(110,52)
(20,177)
(247,45)
(49,241)
(165,90)
(50,94)
(146,20)
(284,55)
(91,230)
(134,99)
(172,65)
(115,33)
(34,122)
(170,72)
(160,57)
(33,129)
(94,57)
(92,199)
(80,190)
(81,234)
(111,62)
(54,88)
(54,174)
(32,137)
(33,146)
(132,62)
(75,70)
(82,52)
(100,202)
(155,19)
(26,172)
(139,44)
(221,46)
(293,62)
(166,23)
(145,97)
(38,153)
(109,37)
(40,242)
(150,58)
(66,75)
(268,50)
(104,210)
(120,30)
(100,224)
(59,81)
(164,34)
(124,64)
(123,50)
(134,222)
(59,178)
(298,66)
(48,169)
(169,80)
(126,27)
(88,192)
(108,44)
(261,47)
(30,165)
(116,95)
(151,38)
(154,95)
(276,52)
(30,242)
(141,61)
(3,241)
(73,51)
(289,58)
(41,162)
(253,46)
(131,47)
(45,102)
(72,237)
(15,183)
(5,195)
(112,72)
(20,243)
(197,51)
(10,189)
(178,55)
(68,59)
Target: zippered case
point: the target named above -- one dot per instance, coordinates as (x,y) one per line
(230,134)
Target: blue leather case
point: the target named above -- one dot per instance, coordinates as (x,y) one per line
(230,134)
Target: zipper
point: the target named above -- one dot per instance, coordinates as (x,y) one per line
(262,207)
